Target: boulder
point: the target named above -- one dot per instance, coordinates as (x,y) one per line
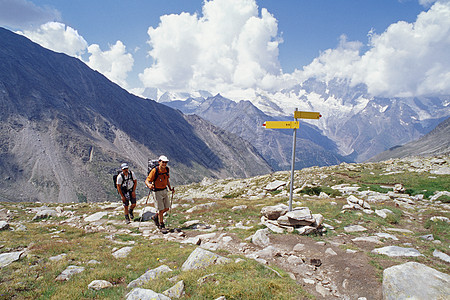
(274,212)
(441,255)
(201,258)
(140,294)
(122,252)
(69,272)
(95,217)
(261,238)
(45,213)
(395,251)
(7,258)
(99,285)
(272,186)
(149,275)
(413,280)
(177,291)
(300,216)
(4,225)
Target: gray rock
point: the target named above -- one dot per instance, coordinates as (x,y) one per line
(145,294)
(69,272)
(440,218)
(368,239)
(415,281)
(330,251)
(274,212)
(122,252)
(7,258)
(149,275)
(274,227)
(95,217)
(427,237)
(4,225)
(268,252)
(394,251)
(261,238)
(299,247)
(191,223)
(99,285)
(399,188)
(305,230)
(240,207)
(275,185)
(386,236)
(57,257)
(177,291)
(383,212)
(354,228)
(44,214)
(201,258)
(299,216)
(441,255)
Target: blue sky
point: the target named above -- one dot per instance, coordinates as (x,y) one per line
(270,45)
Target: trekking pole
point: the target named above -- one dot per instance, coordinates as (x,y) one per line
(142,214)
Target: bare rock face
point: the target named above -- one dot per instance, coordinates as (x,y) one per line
(415,281)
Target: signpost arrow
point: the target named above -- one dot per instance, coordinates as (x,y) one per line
(306,115)
(281,124)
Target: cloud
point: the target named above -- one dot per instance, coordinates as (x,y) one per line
(408,59)
(229,45)
(23,14)
(58,37)
(114,63)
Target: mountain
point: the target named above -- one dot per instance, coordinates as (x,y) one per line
(65,129)
(360,124)
(246,120)
(436,142)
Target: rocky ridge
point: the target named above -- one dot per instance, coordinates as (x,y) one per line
(336,254)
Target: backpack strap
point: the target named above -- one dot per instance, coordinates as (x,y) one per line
(130,176)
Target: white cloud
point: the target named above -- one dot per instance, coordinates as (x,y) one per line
(408,59)
(114,63)
(23,13)
(58,37)
(230,45)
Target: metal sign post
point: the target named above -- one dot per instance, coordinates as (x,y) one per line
(292,125)
(293,164)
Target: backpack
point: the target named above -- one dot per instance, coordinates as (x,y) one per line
(152,164)
(119,173)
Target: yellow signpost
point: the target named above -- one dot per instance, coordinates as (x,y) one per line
(281,124)
(306,115)
(292,125)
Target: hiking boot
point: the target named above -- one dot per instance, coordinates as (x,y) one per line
(130,213)
(155,219)
(127,219)
(162,226)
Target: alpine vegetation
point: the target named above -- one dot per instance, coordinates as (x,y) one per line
(353,232)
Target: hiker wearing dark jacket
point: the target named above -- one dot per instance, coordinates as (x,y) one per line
(126,186)
(158,181)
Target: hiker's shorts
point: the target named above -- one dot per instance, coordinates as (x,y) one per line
(162,199)
(128,198)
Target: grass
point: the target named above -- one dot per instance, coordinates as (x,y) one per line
(33,276)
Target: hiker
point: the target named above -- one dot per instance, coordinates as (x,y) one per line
(158,181)
(126,186)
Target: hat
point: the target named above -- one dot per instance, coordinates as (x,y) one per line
(124,166)
(163,158)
